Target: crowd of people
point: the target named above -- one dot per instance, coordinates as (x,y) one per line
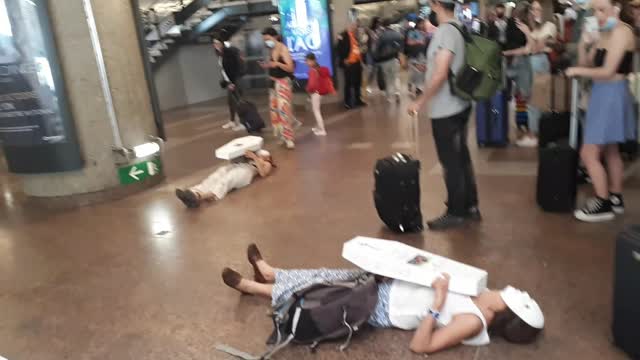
(430,49)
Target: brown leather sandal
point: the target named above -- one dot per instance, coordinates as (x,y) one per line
(254,255)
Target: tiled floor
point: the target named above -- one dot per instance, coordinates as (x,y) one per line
(140,278)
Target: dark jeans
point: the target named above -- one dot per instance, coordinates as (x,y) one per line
(450,135)
(352,84)
(232,97)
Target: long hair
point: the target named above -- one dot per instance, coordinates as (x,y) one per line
(522,12)
(625,12)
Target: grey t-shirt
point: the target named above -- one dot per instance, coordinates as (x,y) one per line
(444,103)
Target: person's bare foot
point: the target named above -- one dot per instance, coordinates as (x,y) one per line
(233,279)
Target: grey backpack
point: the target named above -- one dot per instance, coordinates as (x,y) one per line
(319,313)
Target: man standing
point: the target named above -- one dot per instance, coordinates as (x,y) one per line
(450,116)
(386,55)
(232,69)
(351,62)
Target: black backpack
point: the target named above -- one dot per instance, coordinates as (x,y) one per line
(319,313)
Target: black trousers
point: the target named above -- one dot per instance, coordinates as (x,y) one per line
(352,84)
(232,98)
(450,136)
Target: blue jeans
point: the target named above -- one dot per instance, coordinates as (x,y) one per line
(539,66)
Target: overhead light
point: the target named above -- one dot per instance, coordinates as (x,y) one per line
(146,149)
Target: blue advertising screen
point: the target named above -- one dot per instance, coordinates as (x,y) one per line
(305,28)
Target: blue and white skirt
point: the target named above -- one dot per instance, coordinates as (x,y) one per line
(611,115)
(289,281)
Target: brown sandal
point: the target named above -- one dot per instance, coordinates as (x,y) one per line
(254,255)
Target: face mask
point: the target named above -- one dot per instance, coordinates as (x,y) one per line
(609,25)
(270,44)
(433,19)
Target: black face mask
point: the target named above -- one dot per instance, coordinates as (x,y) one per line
(433,19)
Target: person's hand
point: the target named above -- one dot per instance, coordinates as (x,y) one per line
(414,108)
(523,27)
(250,154)
(441,284)
(231,87)
(571,72)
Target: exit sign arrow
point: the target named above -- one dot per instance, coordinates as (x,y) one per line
(139,172)
(135,172)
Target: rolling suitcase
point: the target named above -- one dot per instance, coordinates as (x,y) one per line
(555,124)
(249,116)
(397,193)
(626,292)
(557,181)
(492,121)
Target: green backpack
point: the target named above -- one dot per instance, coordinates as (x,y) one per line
(481,76)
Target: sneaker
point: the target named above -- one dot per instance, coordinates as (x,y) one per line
(445,222)
(319,132)
(617,203)
(595,210)
(527,141)
(290,144)
(369,90)
(239,127)
(229,125)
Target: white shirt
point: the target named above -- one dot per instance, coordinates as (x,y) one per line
(408,304)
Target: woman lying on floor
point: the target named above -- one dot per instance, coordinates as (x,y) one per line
(440,319)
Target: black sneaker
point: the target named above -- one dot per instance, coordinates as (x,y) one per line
(445,222)
(617,203)
(595,210)
(188,198)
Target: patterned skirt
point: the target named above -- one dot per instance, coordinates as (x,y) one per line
(289,281)
(281,112)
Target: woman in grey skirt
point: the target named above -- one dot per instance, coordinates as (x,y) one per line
(440,319)
(610,116)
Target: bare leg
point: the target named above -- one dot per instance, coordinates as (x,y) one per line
(255,288)
(267,271)
(615,168)
(591,157)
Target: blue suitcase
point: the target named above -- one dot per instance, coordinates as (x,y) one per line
(492,121)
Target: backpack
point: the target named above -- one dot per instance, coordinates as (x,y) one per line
(318,313)
(325,85)
(481,76)
(388,48)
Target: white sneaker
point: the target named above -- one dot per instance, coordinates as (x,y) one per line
(290,144)
(239,127)
(319,132)
(527,141)
(229,125)
(617,204)
(369,90)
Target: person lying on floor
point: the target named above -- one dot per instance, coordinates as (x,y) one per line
(236,175)
(439,318)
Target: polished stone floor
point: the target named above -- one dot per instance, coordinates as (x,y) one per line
(139,278)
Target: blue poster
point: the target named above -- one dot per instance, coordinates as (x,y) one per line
(305,29)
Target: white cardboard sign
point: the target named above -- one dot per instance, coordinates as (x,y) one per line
(396,260)
(237,147)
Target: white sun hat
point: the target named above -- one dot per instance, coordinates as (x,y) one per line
(523,306)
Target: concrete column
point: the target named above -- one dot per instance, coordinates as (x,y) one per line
(340,15)
(125,70)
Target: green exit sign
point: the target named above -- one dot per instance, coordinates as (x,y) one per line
(139,172)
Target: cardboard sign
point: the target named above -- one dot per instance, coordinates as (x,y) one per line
(236,148)
(396,260)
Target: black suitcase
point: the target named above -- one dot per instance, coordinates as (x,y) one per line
(249,115)
(397,193)
(626,292)
(557,182)
(557,178)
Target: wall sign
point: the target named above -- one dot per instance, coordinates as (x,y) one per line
(36,129)
(305,28)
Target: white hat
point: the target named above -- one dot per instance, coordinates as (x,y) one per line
(263,153)
(523,306)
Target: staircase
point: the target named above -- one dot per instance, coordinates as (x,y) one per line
(197,22)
